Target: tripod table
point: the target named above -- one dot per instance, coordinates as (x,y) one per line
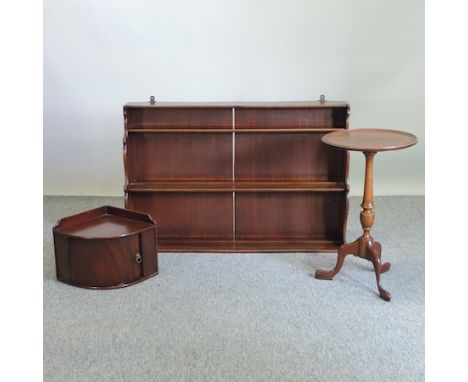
(368,141)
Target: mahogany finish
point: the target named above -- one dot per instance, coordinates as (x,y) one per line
(369,141)
(247,118)
(287,216)
(179,156)
(234,177)
(188,215)
(288,157)
(105,248)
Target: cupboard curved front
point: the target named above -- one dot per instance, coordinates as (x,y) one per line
(105,248)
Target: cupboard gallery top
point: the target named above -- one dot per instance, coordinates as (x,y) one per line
(238,177)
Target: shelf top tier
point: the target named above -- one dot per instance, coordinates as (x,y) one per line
(223,105)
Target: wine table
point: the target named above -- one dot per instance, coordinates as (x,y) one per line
(369,142)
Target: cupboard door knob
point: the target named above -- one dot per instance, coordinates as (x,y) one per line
(138,258)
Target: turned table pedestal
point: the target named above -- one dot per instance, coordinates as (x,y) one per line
(368,141)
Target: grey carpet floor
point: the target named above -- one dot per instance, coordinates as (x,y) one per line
(245,317)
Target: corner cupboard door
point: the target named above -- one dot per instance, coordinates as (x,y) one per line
(105,262)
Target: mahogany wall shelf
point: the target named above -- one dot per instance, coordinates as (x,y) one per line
(238,177)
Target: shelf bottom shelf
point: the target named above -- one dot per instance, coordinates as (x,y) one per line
(212,245)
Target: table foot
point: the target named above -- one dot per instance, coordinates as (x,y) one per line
(385,267)
(384,294)
(345,249)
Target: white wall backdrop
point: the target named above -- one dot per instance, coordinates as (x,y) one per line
(98,55)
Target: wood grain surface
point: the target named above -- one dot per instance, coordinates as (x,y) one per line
(239,177)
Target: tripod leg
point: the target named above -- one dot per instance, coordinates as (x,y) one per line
(374,255)
(385,266)
(345,249)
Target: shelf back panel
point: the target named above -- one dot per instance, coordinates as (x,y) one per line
(288,156)
(187,214)
(182,118)
(179,156)
(286,216)
(250,118)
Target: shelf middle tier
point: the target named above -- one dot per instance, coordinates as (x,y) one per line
(236,186)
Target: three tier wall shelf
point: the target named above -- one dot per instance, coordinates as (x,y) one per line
(238,177)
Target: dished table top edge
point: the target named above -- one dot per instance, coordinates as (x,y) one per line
(370,140)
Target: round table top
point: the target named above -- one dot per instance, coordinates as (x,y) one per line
(370,140)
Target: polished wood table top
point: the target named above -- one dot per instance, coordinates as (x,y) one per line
(370,140)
